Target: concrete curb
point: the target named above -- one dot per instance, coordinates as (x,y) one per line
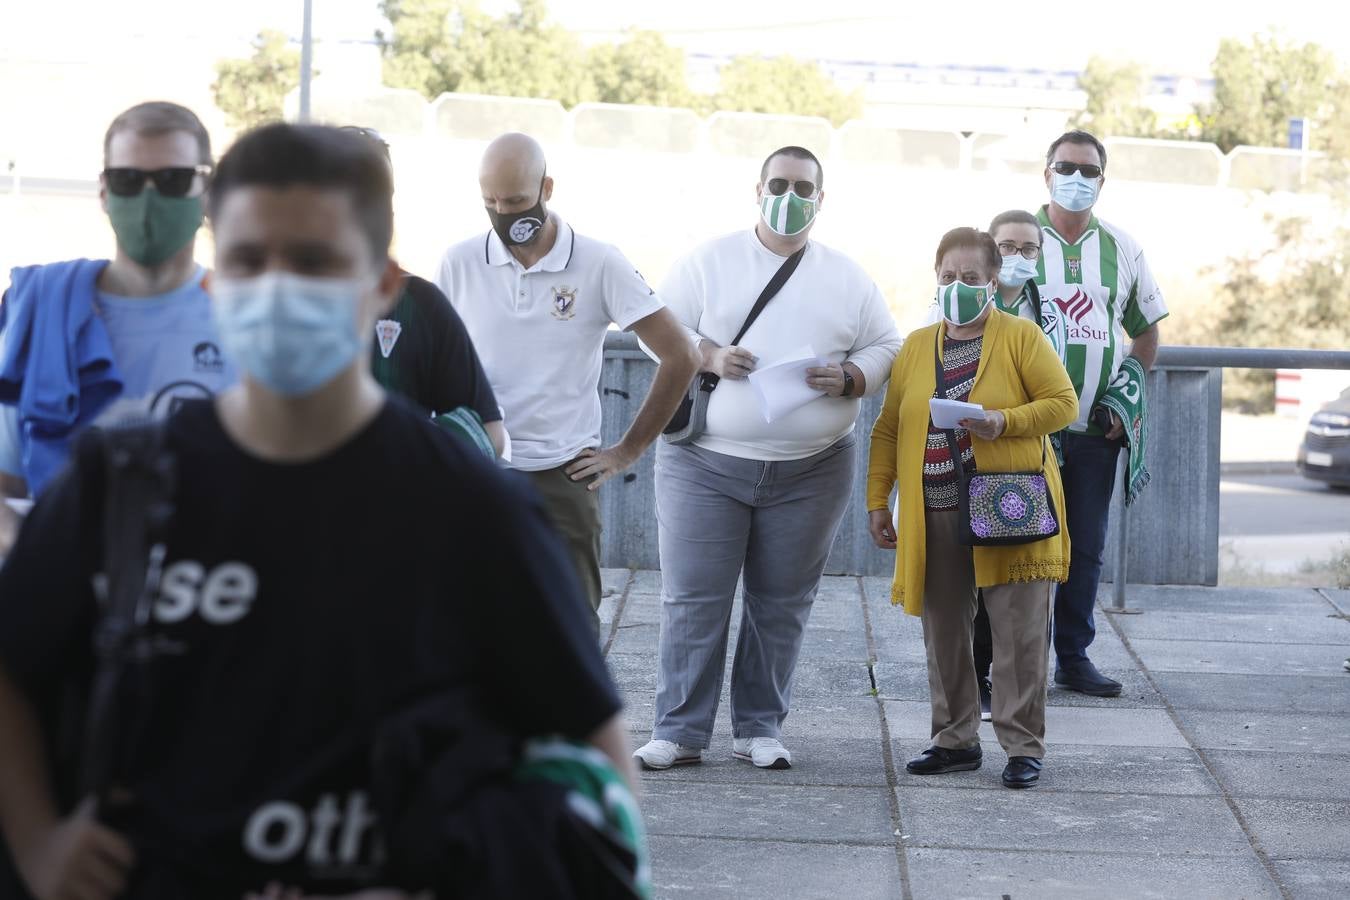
(1258,467)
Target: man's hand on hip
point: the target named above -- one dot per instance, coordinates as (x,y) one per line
(600,465)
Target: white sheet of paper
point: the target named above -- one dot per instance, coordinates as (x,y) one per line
(949,413)
(781,388)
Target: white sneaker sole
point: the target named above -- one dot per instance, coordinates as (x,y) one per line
(781,762)
(679,761)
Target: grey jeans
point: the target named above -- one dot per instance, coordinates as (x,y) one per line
(720,516)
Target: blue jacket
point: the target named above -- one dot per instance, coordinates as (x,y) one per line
(56,360)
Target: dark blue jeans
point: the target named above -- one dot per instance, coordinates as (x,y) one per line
(1089,476)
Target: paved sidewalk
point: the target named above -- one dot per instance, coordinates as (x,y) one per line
(1223,770)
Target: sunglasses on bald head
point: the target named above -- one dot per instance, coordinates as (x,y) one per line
(173,181)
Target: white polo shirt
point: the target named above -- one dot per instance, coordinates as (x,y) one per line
(540,333)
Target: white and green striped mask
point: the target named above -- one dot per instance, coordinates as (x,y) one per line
(963,303)
(787,214)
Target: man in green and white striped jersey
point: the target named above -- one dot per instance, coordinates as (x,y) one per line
(1097,275)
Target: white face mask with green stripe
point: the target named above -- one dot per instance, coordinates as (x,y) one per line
(787,214)
(963,303)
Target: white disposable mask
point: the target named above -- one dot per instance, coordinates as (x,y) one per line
(1016,270)
(291,333)
(1074,192)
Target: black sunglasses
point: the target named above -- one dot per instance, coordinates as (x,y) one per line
(174,181)
(777,187)
(1068,168)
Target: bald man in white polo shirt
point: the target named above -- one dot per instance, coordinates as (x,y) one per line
(537,299)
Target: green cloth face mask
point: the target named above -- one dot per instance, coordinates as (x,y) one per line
(787,214)
(963,303)
(151,227)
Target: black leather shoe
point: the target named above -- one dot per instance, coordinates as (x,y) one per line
(1084,678)
(1021,772)
(939,760)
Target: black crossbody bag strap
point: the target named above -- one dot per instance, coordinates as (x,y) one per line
(770,290)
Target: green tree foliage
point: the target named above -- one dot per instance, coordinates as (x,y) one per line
(1115,100)
(644,69)
(784,85)
(1293,294)
(1259,86)
(252,91)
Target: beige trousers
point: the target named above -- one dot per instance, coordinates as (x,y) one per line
(1019,619)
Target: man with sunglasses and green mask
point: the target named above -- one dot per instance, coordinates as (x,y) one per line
(760,492)
(88,338)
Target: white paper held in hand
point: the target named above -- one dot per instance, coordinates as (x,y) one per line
(949,413)
(781,388)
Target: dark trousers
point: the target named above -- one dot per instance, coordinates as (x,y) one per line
(1089,476)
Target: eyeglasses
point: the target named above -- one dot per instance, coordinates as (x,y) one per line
(175,181)
(777,187)
(1008,248)
(1068,168)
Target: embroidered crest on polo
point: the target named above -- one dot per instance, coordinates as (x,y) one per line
(387,332)
(1075,266)
(564,302)
(523,229)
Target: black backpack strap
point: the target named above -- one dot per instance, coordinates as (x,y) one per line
(138,505)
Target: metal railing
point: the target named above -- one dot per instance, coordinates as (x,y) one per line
(1212,359)
(1170,537)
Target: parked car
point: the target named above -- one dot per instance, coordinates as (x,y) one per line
(1324,454)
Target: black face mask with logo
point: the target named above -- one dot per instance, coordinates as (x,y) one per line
(519,229)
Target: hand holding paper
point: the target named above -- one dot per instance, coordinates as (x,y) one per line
(949,413)
(781,388)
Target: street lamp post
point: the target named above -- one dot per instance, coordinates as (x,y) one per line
(306,60)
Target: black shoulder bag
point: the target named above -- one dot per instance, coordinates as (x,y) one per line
(997,508)
(691,417)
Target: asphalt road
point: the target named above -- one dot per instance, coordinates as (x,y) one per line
(1251,505)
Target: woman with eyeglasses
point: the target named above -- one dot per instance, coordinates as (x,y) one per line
(1018,236)
(1003,363)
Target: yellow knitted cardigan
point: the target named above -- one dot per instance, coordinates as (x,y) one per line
(1019,375)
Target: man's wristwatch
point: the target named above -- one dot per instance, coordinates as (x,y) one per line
(848,385)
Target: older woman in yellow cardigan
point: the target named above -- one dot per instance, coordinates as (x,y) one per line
(1005,364)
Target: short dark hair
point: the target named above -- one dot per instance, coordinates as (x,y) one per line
(1076,137)
(159,117)
(795,153)
(282,155)
(969,239)
(1016,217)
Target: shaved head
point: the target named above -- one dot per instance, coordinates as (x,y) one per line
(512,162)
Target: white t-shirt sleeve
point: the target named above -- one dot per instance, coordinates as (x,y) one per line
(878,340)
(628,298)
(11,454)
(445,278)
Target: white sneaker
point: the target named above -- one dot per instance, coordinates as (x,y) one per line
(764,752)
(664,754)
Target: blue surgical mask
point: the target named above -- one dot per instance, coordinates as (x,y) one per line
(1074,192)
(291,333)
(1017,270)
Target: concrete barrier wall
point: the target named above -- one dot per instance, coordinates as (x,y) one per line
(1174,527)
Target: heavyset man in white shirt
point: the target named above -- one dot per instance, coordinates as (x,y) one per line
(537,299)
(749,496)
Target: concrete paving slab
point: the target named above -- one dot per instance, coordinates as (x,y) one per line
(909,681)
(830,815)
(1262,629)
(1309,829)
(952,818)
(1315,879)
(1285,732)
(1083,767)
(1118,727)
(985,874)
(1241,659)
(840,717)
(817,759)
(613,581)
(1260,693)
(640,640)
(1267,775)
(835,643)
(1255,601)
(736,869)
